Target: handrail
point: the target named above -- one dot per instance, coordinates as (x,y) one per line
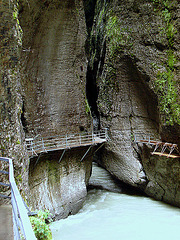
(50,143)
(164,148)
(21,222)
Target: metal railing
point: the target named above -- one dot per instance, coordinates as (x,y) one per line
(160,148)
(51,143)
(21,223)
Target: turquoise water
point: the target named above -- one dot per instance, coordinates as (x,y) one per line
(108,216)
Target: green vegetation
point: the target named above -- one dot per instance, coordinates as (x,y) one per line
(19,31)
(18,142)
(119,39)
(18,179)
(119,36)
(166,86)
(41,229)
(87,107)
(168,97)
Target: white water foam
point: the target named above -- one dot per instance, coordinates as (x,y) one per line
(109,216)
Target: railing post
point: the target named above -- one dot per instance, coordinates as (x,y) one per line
(66,141)
(80,138)
(43,145)
(32,146)
(106,133)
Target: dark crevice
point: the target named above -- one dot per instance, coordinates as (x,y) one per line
(89,7)
(23,119)
(92,89)
(91,86)
(95,46)
(160,46)
(92,94)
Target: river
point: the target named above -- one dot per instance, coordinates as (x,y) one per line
(110,216)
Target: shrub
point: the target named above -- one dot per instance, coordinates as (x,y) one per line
(41,229)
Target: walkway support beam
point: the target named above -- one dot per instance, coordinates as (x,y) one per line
(62,155)
(163,146)
(86,153)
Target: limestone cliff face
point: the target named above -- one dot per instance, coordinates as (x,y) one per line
(60,187)
(53,71)
(55,66)
(129,73)
(128,56)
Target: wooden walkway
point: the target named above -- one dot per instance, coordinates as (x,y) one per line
(40,145)
(164,149)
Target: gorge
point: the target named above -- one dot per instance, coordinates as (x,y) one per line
(74,66)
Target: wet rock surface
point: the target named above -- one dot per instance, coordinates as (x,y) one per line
(57,186)
(125,73)
(101,178)
(44,92)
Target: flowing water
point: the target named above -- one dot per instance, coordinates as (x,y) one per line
(110,216)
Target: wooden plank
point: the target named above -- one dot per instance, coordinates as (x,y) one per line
(158,143)
(165,155)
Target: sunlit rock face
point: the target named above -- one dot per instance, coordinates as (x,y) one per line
(57,186)
(124,66)
(55,66)
(45,91)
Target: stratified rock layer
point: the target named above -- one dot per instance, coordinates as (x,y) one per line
(57,186)
(54,67)
(127,47)
(54,77)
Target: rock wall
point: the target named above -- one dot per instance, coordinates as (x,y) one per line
(54,66)
(11,131)
(128,56)
(102,179)
(60,186)
(129,73)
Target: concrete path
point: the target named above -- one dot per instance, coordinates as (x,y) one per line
(6,223)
